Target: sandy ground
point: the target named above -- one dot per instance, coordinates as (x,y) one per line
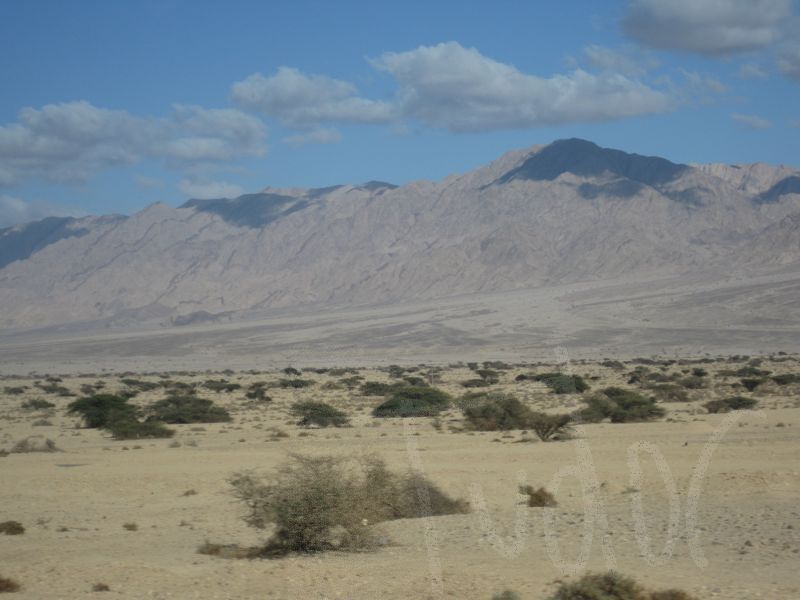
(737,537)
(675,317)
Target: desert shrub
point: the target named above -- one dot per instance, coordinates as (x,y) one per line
(752,371)
(320,414)
(669,392)
(378,388)
(221,385)
(291,371)
(752,383)
(414,401)
(540,498)
(561,383)
(507,595)
(324,503)
(414,380)
(671,594)
(187,409)
(499,413)
(101,587)
(8,585)
(257,391)
(12,528)
(295,383)
(54,388)
(693,382)
(476,383)
(489,375)
(620,406)
(601,586)
(142,386)
(128,428)
(729,404)
(786,379)
(550,427)
(95,409)
(699,372)
(31,444)
(14,391)
(41,423)
(36,404)
(613,364)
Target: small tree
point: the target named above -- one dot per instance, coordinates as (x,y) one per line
(728,404)
(96,409)
(498,413)
(414,401)
(319,414)
(186,409)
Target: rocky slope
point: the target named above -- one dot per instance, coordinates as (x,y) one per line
(567,212)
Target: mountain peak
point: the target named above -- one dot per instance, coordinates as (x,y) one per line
(587,159)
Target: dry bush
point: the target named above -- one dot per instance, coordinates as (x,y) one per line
(8,585)
(601,586)
(540,498)
(613,586)
(31,444)
(550,427)
(12,528)
(324,502)
(101,587)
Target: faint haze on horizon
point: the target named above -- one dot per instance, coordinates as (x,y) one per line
(109,107)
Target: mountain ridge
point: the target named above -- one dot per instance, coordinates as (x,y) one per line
(544,216)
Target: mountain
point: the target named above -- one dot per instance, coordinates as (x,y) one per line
(567,213)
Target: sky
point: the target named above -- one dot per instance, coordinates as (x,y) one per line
(107,107)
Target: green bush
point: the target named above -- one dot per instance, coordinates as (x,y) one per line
(295,383)
(142,386)
(563,384)
(37,404)
(257,391)
(414,401)
(693,382)
(96,409)
(620,406)
(728,404)
(669,392)
(133,429)
(751,371)
(786,379)
(221,385)
(476,383)
(320,414)
(500,413)
(186,409)
(14,391)
(378,388)
(325,503)
(752,383)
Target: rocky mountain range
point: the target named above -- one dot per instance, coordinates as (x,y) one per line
(567,213)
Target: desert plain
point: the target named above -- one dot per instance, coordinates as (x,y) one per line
(706,503)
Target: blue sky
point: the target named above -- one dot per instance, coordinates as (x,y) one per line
(109,106)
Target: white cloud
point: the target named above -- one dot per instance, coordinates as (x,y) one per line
(317,136)
(203,189)
(73,141)
(14,211)
(710,27)
(301,100)
(624,62)
(789,62)
(751,71)
(751,121)
(456,88)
